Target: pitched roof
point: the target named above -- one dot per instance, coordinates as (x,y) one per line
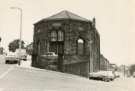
(65,15)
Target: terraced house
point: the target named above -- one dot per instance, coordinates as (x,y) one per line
(74,39)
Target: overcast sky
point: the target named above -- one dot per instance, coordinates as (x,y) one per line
(115,21)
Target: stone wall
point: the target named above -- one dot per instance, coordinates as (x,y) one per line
(73,30)
(80,68)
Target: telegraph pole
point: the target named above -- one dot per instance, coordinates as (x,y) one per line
(124,70)
(20,34)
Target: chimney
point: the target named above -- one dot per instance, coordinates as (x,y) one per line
(94,22)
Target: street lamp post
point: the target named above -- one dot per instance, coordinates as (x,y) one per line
(20,34)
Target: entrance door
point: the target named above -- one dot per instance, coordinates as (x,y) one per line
(60,55)
(53,47)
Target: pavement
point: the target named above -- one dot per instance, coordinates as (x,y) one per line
(26,78)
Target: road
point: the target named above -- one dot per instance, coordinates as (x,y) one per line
(23,78)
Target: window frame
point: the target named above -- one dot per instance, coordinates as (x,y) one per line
(53,35)
(60,35)
(77,51)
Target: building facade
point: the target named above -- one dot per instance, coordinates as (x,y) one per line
(74,39)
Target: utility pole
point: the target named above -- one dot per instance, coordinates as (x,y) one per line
(124,70)
(20,34)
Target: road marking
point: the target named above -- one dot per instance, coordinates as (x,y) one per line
(5,73)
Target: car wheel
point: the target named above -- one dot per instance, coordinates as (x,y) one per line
(25,59)
(6,62)
(106,79)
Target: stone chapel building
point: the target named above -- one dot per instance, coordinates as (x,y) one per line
(74,39)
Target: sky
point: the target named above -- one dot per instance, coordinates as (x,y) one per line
(115,21)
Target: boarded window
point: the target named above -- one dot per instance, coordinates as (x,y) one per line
(53,47)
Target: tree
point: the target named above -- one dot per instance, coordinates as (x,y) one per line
(132,69)
(29,48)
(15,45)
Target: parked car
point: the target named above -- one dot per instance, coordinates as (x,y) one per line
(11,58)
(21,54)
(102,75)
(50,55)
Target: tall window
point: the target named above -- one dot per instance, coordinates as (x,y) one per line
(60,36)
(53,36)
(45,45)
(38,30)
(38,47)
(80,46)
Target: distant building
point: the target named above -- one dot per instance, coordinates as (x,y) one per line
(113,67)
(125,70)
(104,63)
(74,39)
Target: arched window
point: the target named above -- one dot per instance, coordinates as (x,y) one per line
(80,46)
(60,36)
(53,36)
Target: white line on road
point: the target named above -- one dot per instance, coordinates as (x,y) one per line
(5,73)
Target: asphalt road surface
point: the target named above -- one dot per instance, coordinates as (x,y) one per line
(19,78)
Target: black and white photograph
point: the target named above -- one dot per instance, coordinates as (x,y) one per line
(67,45)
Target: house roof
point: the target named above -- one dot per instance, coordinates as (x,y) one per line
(65,15)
